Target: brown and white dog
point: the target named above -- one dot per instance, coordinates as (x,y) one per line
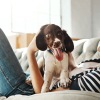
(56,43)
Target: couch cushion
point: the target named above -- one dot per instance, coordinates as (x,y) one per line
(59,95)
(21,55)
(86,49)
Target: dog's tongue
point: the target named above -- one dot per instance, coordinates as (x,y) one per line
(58,54)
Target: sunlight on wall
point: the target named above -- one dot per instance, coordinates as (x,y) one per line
(30,15)
(27,16)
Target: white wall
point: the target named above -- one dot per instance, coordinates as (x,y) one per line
(81,18)
(66,15)
(96,17)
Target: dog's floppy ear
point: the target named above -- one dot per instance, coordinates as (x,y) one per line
(69,46)
(40,40)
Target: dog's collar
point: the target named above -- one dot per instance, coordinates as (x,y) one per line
(49,51)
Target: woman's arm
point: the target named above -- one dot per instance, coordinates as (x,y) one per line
(35,74)
(71,62)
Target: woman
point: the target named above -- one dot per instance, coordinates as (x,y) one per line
(12,77)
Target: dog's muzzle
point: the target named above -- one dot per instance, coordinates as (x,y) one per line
(57,44)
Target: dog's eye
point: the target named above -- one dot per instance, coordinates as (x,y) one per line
(59,34)
(47,36)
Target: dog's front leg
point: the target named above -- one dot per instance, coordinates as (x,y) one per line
(64,80)
(64,75)
(47,81)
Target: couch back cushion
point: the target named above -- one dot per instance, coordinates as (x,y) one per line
(86,49)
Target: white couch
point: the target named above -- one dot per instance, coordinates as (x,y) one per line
(85,49)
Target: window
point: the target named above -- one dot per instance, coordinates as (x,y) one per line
(27,16)
(30,15)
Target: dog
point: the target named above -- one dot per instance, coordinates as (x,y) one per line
(56,45)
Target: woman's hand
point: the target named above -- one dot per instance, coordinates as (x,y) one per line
(71,62)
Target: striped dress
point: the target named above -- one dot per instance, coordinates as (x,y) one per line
(88,80)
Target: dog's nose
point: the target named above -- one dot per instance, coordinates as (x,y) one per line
(56,44)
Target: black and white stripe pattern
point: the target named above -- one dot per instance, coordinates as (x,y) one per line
(90,81)
(56,85)
(87,81)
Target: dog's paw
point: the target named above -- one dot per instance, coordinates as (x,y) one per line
(65,82)
(44,89)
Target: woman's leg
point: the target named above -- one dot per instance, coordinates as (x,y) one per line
(12,77)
